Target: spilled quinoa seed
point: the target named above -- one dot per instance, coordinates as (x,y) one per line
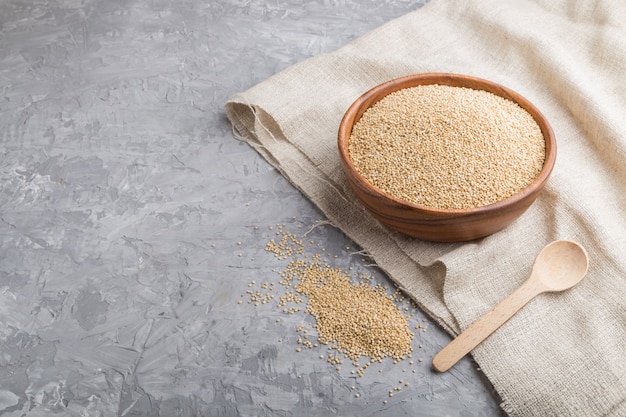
(360,320)
(288,246)
(353,317)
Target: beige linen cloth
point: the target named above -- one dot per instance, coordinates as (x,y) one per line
(563,354)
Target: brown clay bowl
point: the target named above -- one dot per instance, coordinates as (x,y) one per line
(441,225)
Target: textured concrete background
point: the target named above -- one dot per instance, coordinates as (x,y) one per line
(131,220)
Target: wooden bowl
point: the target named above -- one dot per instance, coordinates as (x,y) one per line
(442,225)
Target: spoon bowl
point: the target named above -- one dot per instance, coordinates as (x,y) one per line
(560,265)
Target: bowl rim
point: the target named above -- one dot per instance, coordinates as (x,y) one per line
(377,93)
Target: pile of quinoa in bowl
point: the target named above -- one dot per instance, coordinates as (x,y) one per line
(445,157)
(447,147)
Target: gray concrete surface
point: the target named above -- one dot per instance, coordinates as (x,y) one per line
(131,220)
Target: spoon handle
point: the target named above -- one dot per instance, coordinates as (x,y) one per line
(487,324)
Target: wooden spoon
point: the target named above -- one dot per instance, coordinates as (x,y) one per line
(559,266)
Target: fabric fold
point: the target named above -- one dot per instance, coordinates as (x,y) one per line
(563,354)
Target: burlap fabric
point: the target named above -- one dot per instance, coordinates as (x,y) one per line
(563,354)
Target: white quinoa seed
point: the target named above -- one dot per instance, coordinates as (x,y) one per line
(447,147)
(359,319)
(353,316)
